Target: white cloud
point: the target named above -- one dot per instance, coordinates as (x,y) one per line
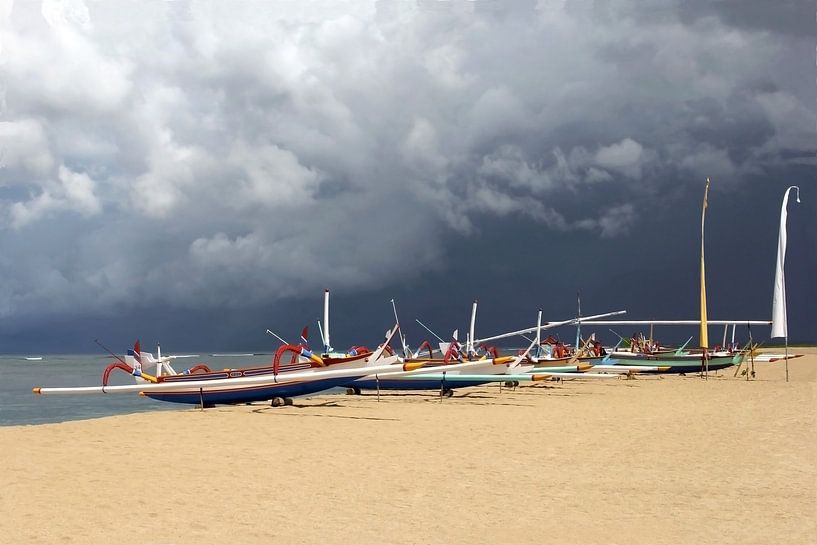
(624,156)
(270,177)
(24,148)
(444,64)
(173,172)
(61,14)
(497,109)
(421,147)
(58,68)
(794,123)
(72,191)
(617,220)
(707,161)
(508,163)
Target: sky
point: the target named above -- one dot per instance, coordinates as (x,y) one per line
(197,172)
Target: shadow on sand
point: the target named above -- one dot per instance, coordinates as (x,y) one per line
(282,411)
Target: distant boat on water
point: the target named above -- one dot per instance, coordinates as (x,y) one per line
(34,358)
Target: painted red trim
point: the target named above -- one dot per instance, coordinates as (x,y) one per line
(115,365)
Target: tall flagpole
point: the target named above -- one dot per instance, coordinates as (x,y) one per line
(704,331)
(779,318)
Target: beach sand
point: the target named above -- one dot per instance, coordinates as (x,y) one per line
(653,460)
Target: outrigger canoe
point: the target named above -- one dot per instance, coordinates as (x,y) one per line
(200,385)
(677,363)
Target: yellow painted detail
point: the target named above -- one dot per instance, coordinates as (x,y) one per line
(317,359)
(411,366)
(149,378)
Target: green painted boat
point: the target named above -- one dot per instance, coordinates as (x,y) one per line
(677,363)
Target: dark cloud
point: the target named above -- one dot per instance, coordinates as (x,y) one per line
(214,161)
(794,17)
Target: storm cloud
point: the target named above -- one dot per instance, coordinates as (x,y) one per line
(201,156)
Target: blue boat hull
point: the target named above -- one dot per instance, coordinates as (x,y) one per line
(250,393)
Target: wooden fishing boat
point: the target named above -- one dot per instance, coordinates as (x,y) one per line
(677,363)
(201,385)
(234,389)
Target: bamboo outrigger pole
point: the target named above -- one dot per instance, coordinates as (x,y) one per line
(579,316)
(470,344)
(704,332)
(326,341)
(402,336)
(547,325)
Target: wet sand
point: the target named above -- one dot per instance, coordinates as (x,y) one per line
(647,461)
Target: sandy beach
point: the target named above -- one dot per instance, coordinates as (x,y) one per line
(674,460)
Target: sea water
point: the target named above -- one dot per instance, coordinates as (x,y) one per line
(18,405)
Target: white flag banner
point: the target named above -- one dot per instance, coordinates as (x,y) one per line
(779,325)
